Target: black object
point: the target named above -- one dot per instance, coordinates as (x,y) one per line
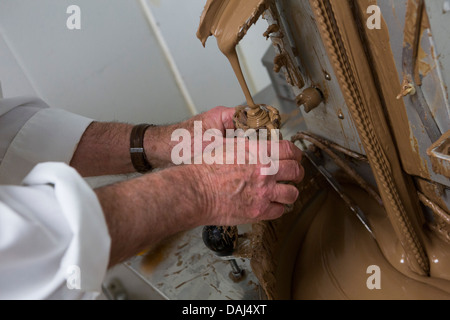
(221,240)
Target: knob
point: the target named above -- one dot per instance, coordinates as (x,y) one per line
(311,98)
(221,240)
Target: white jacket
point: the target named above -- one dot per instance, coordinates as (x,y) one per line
(54,242)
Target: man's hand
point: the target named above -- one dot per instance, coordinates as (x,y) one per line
(220,118)
(240,194)
(158,140)
(104,148)
(143,211)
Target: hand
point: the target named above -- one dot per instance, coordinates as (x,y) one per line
(158,142)
(141,212)
(220,118)
(104,148)
(240,194)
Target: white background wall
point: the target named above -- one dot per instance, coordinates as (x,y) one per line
(115,68)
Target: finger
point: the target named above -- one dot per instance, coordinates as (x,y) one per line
(227,117)
(283,150)
(273,212)
(284,194)
(290,170)
(289,151)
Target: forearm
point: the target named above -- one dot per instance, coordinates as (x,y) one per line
(104,148)
(144,211)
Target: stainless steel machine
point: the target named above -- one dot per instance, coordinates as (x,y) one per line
(363,89)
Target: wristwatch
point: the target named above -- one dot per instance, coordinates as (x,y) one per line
(137,151)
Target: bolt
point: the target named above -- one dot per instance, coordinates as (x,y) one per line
(237,272)
(408,88)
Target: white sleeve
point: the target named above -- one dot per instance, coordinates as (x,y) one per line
(54,241)
(35,133)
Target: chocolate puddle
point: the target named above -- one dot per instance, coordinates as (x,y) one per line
(332,266)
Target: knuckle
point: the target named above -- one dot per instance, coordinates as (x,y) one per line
(293,152)
(269,194)
(263,193)
(219,108)
(256,213)
(286,149)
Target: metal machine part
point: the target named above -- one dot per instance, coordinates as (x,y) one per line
(183,268)
(336,186)
(361,72)
(426,111)
(417,123)
(114,290)
(303,45)
(223,241)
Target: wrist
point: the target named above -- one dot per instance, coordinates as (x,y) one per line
(158,146)
(137,150)
(198,178)
(143,211)
(186,192)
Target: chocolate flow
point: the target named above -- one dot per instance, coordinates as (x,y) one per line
(229,21)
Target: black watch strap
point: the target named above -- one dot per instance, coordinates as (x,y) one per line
(137,151)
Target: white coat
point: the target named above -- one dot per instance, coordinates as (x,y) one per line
(54,242)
